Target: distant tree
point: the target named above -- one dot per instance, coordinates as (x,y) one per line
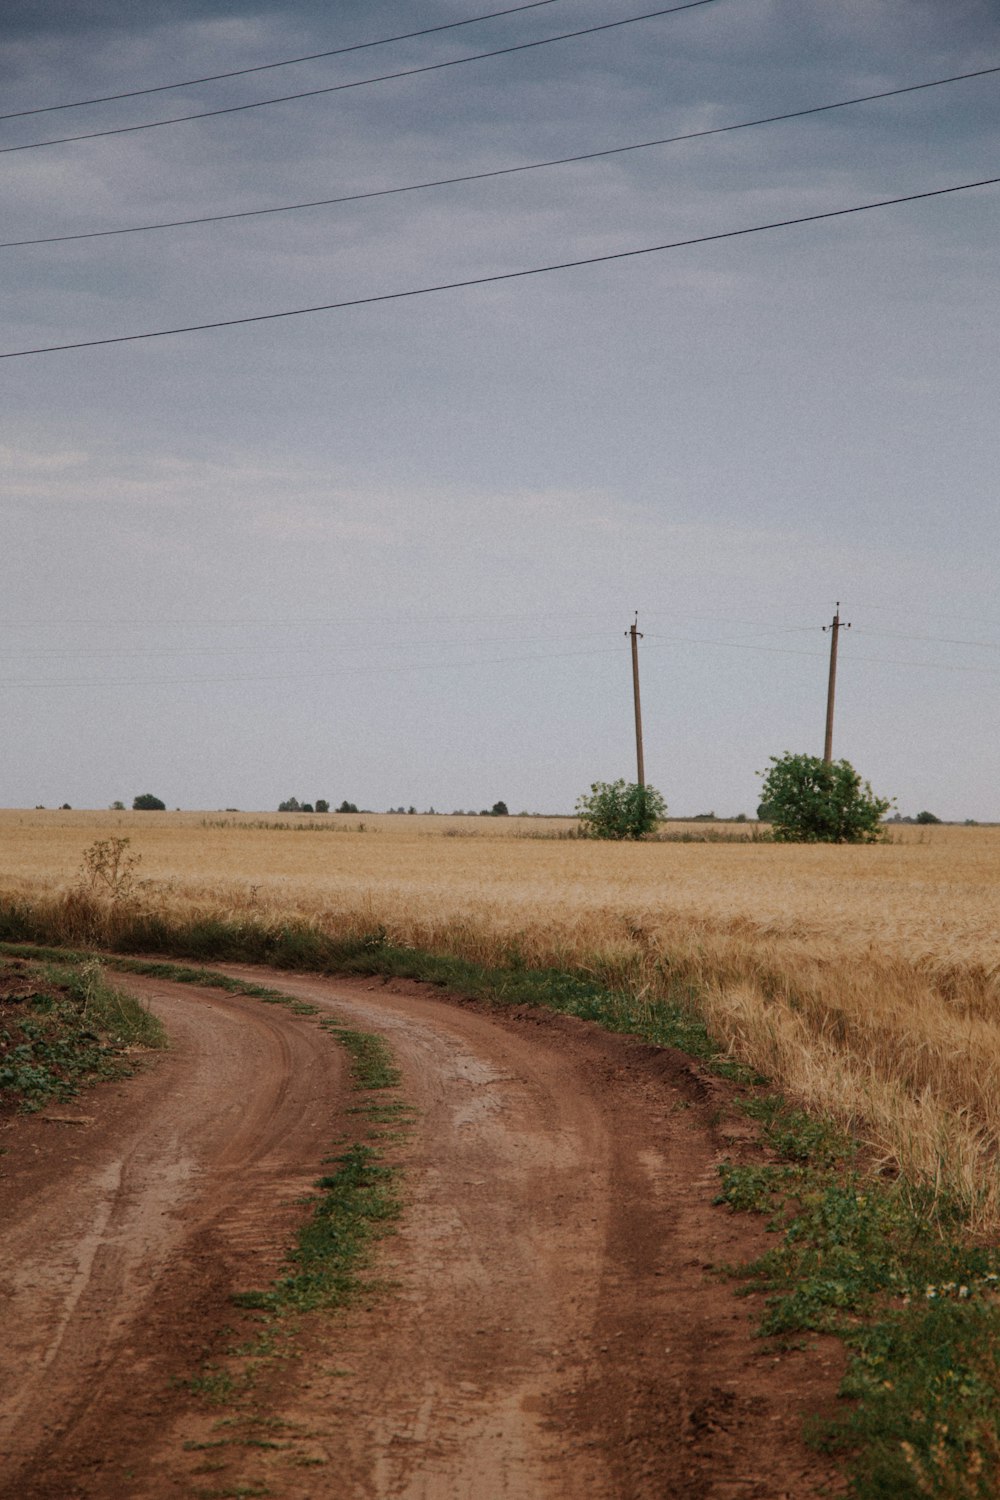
(322,805)
(292,804)
(148,803)
(620,810)
(347,807)
(926,817)
(810,800)
(500,810)
(65,807)
(708,817)
(306,807)
(117,807)
(411,809)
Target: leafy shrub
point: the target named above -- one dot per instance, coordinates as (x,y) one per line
(809,800)
(620,810)
(148,803)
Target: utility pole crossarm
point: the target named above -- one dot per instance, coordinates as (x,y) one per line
(836,626)
(636,635)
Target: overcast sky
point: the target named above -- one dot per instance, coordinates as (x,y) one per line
(390,552)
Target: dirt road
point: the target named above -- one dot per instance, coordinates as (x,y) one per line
(552,1328)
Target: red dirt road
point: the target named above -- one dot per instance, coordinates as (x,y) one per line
(552,1327)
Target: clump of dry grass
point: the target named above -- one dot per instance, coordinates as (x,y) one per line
(865,982)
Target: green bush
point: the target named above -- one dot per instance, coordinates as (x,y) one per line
(809,800)
(620,810)
(148,803)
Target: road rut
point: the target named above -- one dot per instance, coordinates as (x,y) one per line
(552,1325)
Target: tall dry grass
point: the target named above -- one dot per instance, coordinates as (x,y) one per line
(865,982)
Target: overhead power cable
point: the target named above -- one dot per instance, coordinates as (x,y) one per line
(870,661)
(413,667)
(451,286)
(943,640)
(285,62)
(358,83)
(315,648)
(365,671)
(536,166)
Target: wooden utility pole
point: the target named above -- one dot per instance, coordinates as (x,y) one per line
(835,628)
(636,635)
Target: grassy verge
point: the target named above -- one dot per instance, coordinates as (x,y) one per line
(63,1026)
(891,1270)
(889,1267)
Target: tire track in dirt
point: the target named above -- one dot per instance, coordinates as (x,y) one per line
(117,1229)
(551,1326)
(555,1329)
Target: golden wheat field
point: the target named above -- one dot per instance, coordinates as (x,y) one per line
(865,981)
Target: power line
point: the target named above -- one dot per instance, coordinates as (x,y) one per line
(365,671)
(358,83)
(474,662)
(241,622)
(285,62)
(536,166)
(942,640)
(662,642)
(315,648)
(450,286)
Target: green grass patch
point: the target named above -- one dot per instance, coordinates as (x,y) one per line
(891,1271)
(215,1385)
(354,1206)
(371,1057)
(65,1026)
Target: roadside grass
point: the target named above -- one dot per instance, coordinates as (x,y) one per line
(891,1270)
(890,1266)
(63,1026)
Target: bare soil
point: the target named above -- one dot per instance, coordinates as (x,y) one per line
(551,1321)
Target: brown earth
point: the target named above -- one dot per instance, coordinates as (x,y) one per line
(550,1323)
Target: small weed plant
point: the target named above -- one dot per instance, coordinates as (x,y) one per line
(109,869)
